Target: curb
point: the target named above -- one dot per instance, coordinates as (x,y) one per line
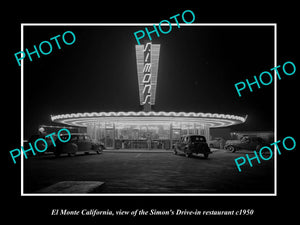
(145,150)
(73,187)
(137,151)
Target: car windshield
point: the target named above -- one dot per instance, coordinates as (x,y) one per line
(198,139)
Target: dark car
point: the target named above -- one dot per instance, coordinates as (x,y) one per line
(39,145)
(190,144)
(78,143)
(246,142)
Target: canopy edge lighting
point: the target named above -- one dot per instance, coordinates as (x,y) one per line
(214,119)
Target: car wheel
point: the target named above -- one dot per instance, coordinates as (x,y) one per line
(265,152)
(99,149)
(187,155)
(74,147)
(258,147)
(231,148)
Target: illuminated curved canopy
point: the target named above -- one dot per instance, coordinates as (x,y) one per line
(207,119)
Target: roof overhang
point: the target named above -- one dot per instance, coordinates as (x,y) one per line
(207,119)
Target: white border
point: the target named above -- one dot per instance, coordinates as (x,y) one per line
(151,24)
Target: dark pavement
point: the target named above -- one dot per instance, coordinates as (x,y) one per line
(146,172)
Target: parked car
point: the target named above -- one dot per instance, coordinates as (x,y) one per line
(78,143)
(190,144)
(40,144)
(218,142)
(246,142)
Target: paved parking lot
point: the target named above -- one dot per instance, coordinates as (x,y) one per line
(146,172)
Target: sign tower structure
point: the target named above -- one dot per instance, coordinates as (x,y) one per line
(147,57)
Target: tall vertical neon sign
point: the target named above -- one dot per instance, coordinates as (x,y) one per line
(147,66)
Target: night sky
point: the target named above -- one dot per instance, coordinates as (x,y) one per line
(198,67)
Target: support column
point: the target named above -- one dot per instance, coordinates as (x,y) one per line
(114,135)
(207,133)
(171,135)
(105,135)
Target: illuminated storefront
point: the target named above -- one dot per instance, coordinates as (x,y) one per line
(146,129)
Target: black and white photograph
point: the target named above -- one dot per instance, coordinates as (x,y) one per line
(160,117)
(121,114)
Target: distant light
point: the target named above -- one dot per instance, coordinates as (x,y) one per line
(41,130)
